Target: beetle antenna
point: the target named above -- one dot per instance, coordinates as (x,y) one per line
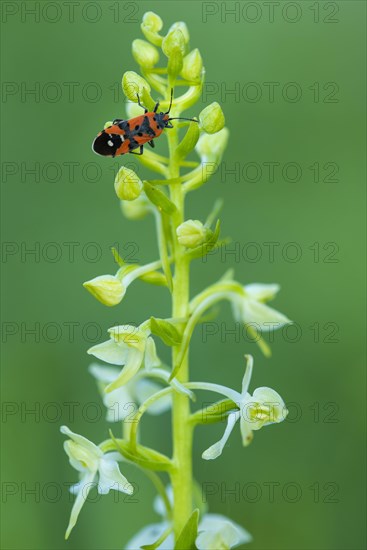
(180,118)
(170,103)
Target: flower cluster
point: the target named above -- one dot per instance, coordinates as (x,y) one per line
(130,371)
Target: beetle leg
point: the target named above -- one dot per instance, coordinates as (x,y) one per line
(156,107)
(151,143)
(142,106)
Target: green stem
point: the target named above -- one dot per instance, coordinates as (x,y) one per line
(181,476)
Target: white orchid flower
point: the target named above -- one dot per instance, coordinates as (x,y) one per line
(251,307)
(95,469)
(215,532)
(129,346)
(263,408)
(123,402)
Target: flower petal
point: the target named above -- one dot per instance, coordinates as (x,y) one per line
(102,373)
(149,534)
(217,531)
(216,450)
(246,430)
(151,359)
(132,366)
(248,373)
(82,441)
(266,317)
(119,404)
(110,477)
(146,388)
(84,486)
(261,292)
(110,352)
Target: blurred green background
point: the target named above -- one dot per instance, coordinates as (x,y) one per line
(311,54)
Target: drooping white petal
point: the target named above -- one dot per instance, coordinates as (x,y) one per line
(110,352)
(219,532)
(84,486)
(102,373)
(110,477)
(264,316)
(158,504)
(149,534)
(262,292)
(248,373)
(144,389)
(132,366)
(246,429)
(151,358)
(216,450)
(119,403)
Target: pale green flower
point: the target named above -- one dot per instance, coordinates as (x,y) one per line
(95,469)
(151,25)
(145,54)
(129,346)
(192,66)
(123,402)
(210,147)
(263,408)
(216,532)
(133,84)
(192,233)
(108,289)
(128,185)
(251,309)
(212,118)
(137,209)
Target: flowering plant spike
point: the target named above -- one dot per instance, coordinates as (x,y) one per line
(129,369)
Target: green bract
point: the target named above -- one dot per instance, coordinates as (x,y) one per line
(131,378)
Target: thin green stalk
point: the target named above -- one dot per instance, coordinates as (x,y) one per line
(181,476)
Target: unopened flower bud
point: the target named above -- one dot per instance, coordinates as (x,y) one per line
(182,27)
(174,40)
(137,209)
(108,289)
(133,109)
(151,25)
(133,84)
(212,118)
(210,147)
(128,186)
(192,233)
(145,54)
(192,66)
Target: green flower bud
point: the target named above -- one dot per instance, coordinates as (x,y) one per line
(192,233)
(181,26)
(174,39)
(137,209)
(192,66)
(210,147)
(133,84)
(212,118)
(108,289)
(175,64)
(133,109)
(151,25)
(107,124)
(145,54)
(127,184)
